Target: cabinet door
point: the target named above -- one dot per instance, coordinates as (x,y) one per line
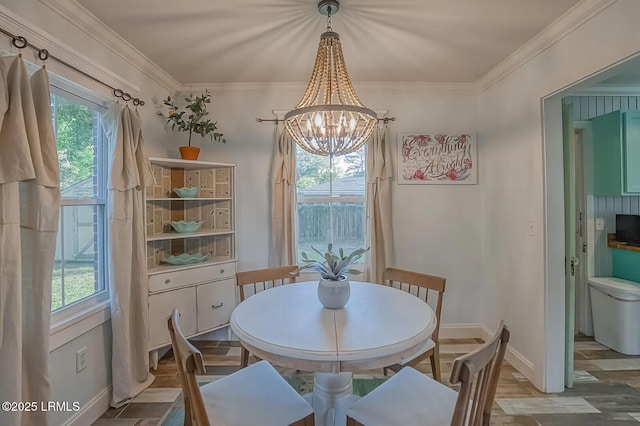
(216,300)
(607,154)
(632,152)
(160,308)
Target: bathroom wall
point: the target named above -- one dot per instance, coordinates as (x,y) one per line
(606,207)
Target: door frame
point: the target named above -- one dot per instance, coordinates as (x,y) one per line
(584,322)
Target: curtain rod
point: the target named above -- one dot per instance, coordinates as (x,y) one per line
(43,54)
(275,120)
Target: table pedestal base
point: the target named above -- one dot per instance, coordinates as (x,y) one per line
(332,396)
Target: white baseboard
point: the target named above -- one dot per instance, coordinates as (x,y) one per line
(513,357)
(92,410)
(461,331)
(474,331)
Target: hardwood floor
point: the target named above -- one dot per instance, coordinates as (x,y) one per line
(606,388)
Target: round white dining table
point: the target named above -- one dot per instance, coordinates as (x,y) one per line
(288,326)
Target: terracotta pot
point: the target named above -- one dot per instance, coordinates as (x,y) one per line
(189,152)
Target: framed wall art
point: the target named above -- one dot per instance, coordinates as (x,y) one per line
(437,158)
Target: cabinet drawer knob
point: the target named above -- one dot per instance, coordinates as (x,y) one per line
(222,271)
(217,306)
(167,281)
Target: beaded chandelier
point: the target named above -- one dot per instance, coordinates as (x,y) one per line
(330,120)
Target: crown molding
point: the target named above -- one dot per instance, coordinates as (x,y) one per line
(429,88)
(20,27)
(265,88)
(283,88)
(78,16)
(561,27)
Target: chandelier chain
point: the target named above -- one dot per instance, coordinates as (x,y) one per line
(329,19)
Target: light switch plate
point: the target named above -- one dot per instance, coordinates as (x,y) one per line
(81,359)
(599,224)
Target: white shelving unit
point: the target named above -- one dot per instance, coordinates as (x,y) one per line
(205,292)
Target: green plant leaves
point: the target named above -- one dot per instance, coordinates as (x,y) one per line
(195,121)
(332,266)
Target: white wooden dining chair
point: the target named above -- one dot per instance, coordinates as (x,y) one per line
(425,287)
(252,282)
(256,395)
(410,398)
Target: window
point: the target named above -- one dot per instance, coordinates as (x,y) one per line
(331,201)
(79,273)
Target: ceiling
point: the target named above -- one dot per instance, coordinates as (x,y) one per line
(215,41)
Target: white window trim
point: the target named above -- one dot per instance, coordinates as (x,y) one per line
(75,325)
(334,199)
(308,275)
(76,319)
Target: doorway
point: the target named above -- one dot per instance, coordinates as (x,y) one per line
(586,106)
(575,146)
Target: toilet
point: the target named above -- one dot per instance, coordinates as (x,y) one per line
(615,305)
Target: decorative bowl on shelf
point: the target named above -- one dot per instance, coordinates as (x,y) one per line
(183,226)
(186,192)
(186,258)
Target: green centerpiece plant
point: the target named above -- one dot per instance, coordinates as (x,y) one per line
(334,269)
(193,118)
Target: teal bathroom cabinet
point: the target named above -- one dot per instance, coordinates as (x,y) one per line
(616,153)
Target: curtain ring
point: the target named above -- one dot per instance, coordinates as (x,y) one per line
(136,101)
(141,102)
(19,42)
(117,93)
(43,54)
(126,97)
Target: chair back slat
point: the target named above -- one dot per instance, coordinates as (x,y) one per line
(479,371)
(420,285)
(189,361)
(252,282)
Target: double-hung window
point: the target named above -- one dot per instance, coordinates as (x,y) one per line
(331,201)
(79,274)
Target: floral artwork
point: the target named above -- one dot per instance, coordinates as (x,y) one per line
(437,158)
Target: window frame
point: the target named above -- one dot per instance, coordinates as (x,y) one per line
(331,200)
(73,319)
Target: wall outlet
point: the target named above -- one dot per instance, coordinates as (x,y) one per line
(599,224)
(81,359)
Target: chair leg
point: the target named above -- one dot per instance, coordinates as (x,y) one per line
(435,364)
(353,422)
(307,421)
(385,371)
(244,358)
(310,420)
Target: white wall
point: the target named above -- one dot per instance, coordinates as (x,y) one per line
(91,385)
(523,162)
(436,227)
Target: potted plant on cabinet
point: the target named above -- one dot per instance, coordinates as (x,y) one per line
(334,269)
(193,119)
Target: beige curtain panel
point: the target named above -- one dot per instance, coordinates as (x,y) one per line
(379,175)
(283,200)
(130,173)
(29,209)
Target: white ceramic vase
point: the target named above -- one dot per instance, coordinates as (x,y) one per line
(334,294)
